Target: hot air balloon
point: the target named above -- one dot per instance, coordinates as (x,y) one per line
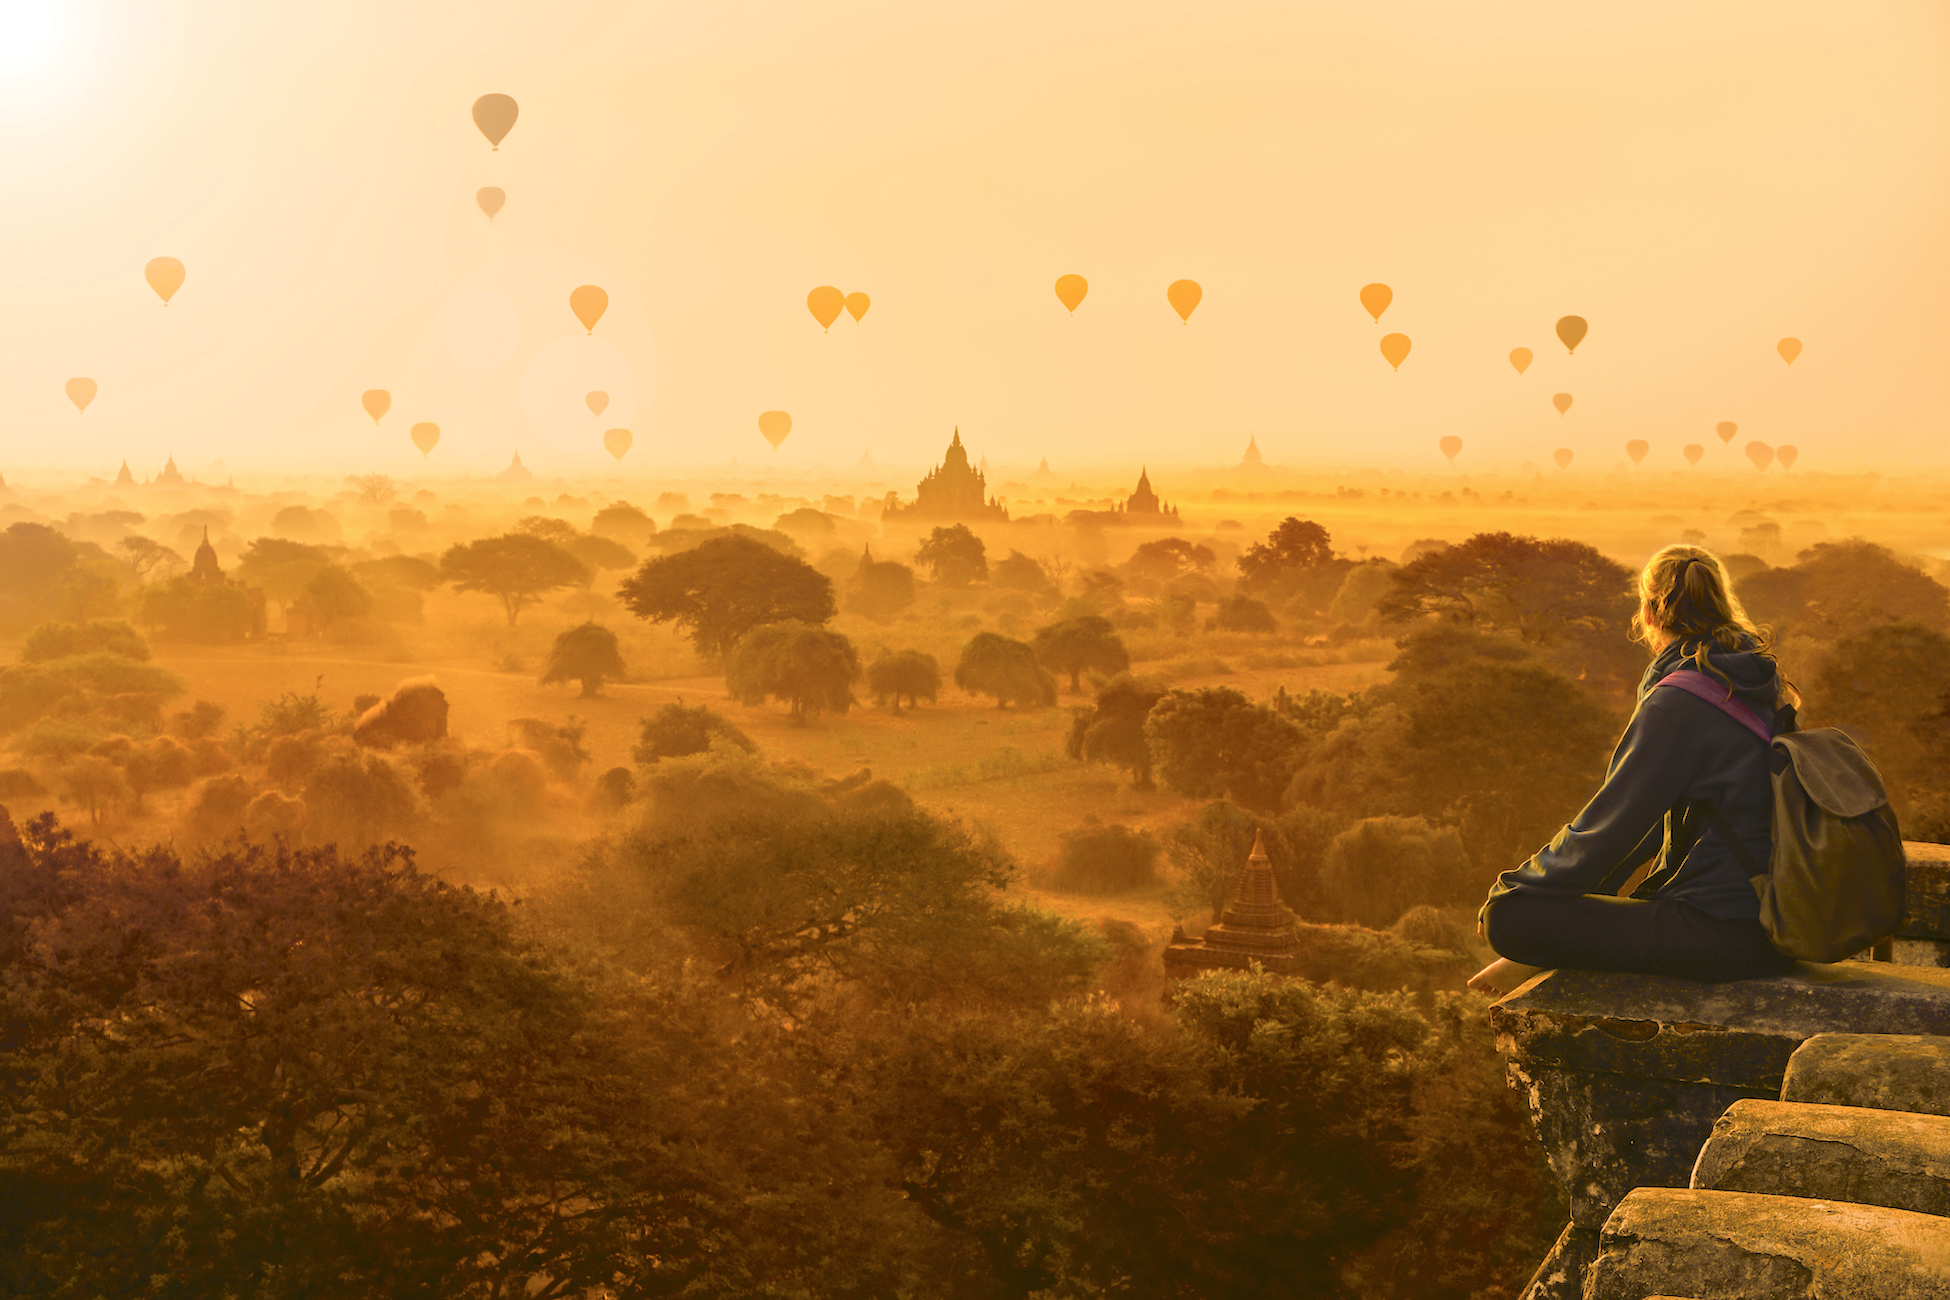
(1787,456)
(1562,401)
(1563,457)
(377,402)
(1395,348)
(775,425)
(1520,358)
(616,442)
(1789,349)
(1726,429)
(856,306)
(1449,446)
(1070,290)
(1693,451)
(81,392)
(426,437)
(165,276)
(495,115)
(1376,297)
(826,303)
(1183,296)
(1761,454)
(1571,329)
(588,303)
(597,402)
(489,199)
(1637,448)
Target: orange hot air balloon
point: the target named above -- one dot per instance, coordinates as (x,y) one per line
(426,437)
(1637,448)
(596,401)
(1693,451)
(81,391)
(856,306)
(165,276)
(1376,297)
(1789,349)
(1563,457)
(775,425)
(1070,290)
(1184,295)
(617,441)
(588,303)
(489,199)
(377,402)
(1572,329)
(495,115)
(1562,401)
(1520,358)
(1449,446)
(1787,456)
(1395,347)
(1761,454)
(826,303)
(1726,429)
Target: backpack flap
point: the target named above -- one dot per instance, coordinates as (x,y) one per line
(1834,771)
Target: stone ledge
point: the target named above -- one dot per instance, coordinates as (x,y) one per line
(1906,1072)
(1830,1153)
(1926,903)
(1738,1035)
(1767,1248)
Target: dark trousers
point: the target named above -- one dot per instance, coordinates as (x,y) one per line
(1646,937)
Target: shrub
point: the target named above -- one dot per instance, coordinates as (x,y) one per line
(1244,614)
(1109,859)
(675,731)
(913,673)
(1382,866)
(61,640)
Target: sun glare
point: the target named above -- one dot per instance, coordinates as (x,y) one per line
(33,36)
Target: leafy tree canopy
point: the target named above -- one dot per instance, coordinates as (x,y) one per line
(59,640)
(676,730)
(1290,550)
(1079,644)
(1541,591)
(954,554)
(1019,572)
(1215,743)
(721,589)
(1112,729)
(1006,670)
(811,667)
(880,590)
(1168,557)
(519,568)
(912,673)
(1837,588)
(586,653)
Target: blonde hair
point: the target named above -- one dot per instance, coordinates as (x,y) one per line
(1686,595)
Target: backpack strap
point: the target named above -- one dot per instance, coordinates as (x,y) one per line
(1726,834)
(1720,697)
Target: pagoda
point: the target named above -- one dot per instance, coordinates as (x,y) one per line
(520,473)
(170,474)
(1252,456)
(954,490)
(125,479)
(1143,501)
(1256,927)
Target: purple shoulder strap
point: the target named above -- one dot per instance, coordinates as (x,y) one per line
(1716,694)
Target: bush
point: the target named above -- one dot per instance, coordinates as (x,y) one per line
(675,731)
(1382,866)
(1109,859)
(61,640)
(1432,928)
(1244,614)
(913,673)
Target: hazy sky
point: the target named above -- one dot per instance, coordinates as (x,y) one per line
(1697,180)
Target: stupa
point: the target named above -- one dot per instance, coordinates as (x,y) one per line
(1256,927)
(954,490)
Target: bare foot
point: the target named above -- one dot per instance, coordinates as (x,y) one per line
(1501,977)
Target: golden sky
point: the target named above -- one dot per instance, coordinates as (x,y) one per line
(1697,180)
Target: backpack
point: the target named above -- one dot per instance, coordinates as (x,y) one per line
(1834,884)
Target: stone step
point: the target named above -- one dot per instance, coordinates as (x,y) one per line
(1684,1241)
(1831,1153)
(1885,1071)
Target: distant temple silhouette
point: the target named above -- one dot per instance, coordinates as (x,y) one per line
(125,479)
(1252,456)
(170,474)
(517,472)
(1143,501)
(955,490)
(1255,927)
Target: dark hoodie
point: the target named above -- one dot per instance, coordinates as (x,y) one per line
(1676,750)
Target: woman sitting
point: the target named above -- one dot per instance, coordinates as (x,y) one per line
(1682,758)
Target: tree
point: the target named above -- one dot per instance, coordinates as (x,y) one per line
(1363,587)
(1290,551)
(517,567)
(34,559)
(357,800)
(94,783)
(1105,859)
(623,522)
(280,567)
(1241,613)
(1838,588)
(1112,730)
(1018,572)
(809,666)
(1879,683)
(675,731)
(1077,644)
(995,665)
(559,531)
(600,553)
(1210,852)
(913,673)
(1541,592)
(334,594)
(722,588)
(586,653)
(1166,558)
(183,609)
(145,557)
(881,590)
(1215,743)
(955,555)
(373,489)
(60,640)
(1382,866)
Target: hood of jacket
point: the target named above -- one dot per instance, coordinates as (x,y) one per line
(1756,681)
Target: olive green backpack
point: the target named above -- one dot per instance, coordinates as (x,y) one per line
(1834,883)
